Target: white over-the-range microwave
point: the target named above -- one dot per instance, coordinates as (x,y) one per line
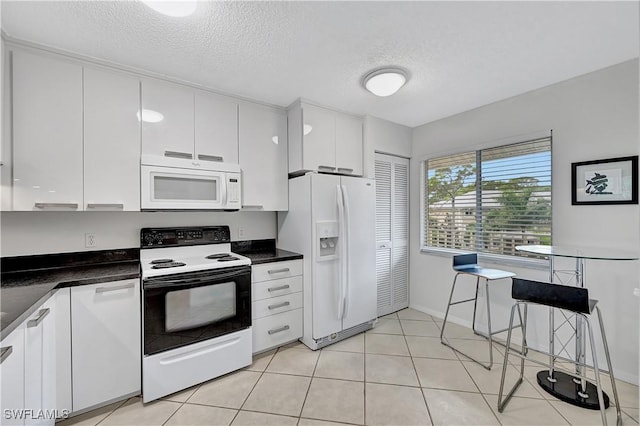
(180,184)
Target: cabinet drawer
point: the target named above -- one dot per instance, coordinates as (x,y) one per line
(267,289)
(276,270)
(275,330)
(276,305)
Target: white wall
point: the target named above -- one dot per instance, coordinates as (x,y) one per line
(384,136)
(25,233)
(594,116)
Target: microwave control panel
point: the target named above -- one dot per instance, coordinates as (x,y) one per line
(233,190)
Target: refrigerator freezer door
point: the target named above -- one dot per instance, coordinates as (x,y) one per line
(326,290)
(361,292)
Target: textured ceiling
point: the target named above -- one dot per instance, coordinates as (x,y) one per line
(461,55)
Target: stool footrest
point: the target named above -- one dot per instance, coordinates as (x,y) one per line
(462,301)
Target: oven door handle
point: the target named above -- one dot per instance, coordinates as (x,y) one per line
(210,279)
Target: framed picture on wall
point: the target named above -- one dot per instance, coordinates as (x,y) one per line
(608,181)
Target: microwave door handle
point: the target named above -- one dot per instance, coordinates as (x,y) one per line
(223,190)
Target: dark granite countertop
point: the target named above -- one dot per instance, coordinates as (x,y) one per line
(263,251)
(268,256)
(23,291)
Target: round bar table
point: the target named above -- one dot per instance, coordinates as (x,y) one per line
(563,386)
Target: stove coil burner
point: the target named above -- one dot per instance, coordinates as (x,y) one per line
(218,256)
(170,264)
(158,261)
(222,257)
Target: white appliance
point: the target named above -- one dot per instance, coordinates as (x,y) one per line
(196,308)
(331,221)
(183,184)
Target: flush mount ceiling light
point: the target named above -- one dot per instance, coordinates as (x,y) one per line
(385,81)
(176,8)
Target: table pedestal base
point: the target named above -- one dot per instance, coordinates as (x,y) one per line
(567,390)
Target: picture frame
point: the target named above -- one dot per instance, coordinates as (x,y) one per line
(607,181)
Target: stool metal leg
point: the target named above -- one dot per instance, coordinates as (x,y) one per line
(610,367)
(596,370)
(475,306)
(444,323)
(446,314)
(489,325)
(503,402)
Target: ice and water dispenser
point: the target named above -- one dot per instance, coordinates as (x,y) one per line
(327,239)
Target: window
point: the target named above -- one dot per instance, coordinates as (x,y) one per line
(490,200)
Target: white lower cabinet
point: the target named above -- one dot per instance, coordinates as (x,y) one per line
(106,348)
(28,371)
(12,377)
(276,293)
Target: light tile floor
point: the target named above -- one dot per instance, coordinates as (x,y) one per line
(395,374)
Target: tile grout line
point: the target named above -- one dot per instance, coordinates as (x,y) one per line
(415,370)
(313,373)
(122,403)
(255,384)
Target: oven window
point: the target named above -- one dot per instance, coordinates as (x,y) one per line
(199,306)
(182,188)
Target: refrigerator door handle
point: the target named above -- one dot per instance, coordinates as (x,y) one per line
(346,291)
(341,266)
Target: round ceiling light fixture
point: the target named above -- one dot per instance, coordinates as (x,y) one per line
(385,81)
(176,8)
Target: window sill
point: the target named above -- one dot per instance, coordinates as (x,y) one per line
(495,259)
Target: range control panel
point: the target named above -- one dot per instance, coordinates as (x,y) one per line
(190,236)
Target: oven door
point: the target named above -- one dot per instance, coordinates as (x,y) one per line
(168,188)
(182,309)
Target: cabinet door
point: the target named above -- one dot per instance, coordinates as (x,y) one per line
(318,140)
(216,128)
(349,145)
(167,120)
(12,377)
(111,141)
(105,336)
(47,133)
(263,158)
(40,361)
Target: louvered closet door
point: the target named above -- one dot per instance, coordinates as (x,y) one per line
(392,233)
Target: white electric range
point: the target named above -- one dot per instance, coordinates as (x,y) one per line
(196,313)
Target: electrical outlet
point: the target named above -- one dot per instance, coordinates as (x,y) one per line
(90,239)
(240,232)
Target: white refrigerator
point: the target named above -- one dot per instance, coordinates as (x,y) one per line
(331,221)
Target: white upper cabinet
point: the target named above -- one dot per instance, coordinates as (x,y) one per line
(318,139)
(47,133)
(348,144)
(216,128)
(167,120)
(111,141)
(263,157)
(324,140)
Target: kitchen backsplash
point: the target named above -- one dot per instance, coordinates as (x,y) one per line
(27,233)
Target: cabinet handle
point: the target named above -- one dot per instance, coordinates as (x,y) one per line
(282,287)
(278,330)
(36,321)
(216,158)
(58,205)
(105,206)
(257,207)
(177,154)
(114,288)
(345,169)
(277,271)
(278,305)
(327,168)
(5,352)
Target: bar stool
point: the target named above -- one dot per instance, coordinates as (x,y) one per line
(468,264)
(568,298)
